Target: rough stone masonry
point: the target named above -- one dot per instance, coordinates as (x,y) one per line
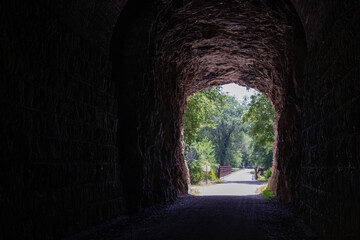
(93,95)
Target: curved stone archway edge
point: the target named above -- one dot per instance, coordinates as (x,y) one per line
(201,44)
(93,95)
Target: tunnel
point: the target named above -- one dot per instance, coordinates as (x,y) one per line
(94,93)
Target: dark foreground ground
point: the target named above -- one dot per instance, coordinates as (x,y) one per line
(209,217)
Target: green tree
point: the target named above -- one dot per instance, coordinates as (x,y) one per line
(260,156)
(220,130)
(259,116)
(202,154)
(245,148)
(199,111)
(226,136)
(205,151)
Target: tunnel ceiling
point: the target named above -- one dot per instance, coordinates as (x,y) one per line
(258,44)
(94,94)
(218,42)
(178,48)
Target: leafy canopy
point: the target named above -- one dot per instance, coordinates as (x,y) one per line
(260,115)
(221,131)
(199,111)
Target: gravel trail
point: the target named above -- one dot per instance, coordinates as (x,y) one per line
(230,210)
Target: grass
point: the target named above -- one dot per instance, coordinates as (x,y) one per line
(261,178)
(210,183)
(265,191)
(261,189)
(219,180)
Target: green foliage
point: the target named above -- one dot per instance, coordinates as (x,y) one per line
(261,178)
(205,151)
(221,131)
(245,147)
(267,173)
(202,153)
(199,111)
(226,136)
(196,173)
(260,115)
(212,174)
(267,193)
(261,156)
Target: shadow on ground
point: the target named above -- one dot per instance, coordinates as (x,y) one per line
(209,217)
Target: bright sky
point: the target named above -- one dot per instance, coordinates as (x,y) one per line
(238,91)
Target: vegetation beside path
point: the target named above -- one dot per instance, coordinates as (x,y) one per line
(220,131)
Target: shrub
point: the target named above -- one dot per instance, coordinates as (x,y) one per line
(200,154)
(267,193)
(260,178)
(267,173)
(212,173)
(196,172)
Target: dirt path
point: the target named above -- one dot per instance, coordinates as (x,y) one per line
(240,214)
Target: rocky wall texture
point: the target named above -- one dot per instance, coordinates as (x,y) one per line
(328,194)
(258,44)
(91,136)
(60,170)
(166,51)
(149,133)
(94,94)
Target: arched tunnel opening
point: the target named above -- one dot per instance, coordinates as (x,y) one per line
(94,94)
(228,141)
(166,60)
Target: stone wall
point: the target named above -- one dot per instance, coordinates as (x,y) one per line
(60,170)
(89,137)
(328,194)
(201,44)
(149,113)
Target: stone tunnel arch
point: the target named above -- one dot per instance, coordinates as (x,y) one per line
(60,172)
(164,53)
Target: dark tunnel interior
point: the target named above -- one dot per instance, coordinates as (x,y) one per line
(94,93)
